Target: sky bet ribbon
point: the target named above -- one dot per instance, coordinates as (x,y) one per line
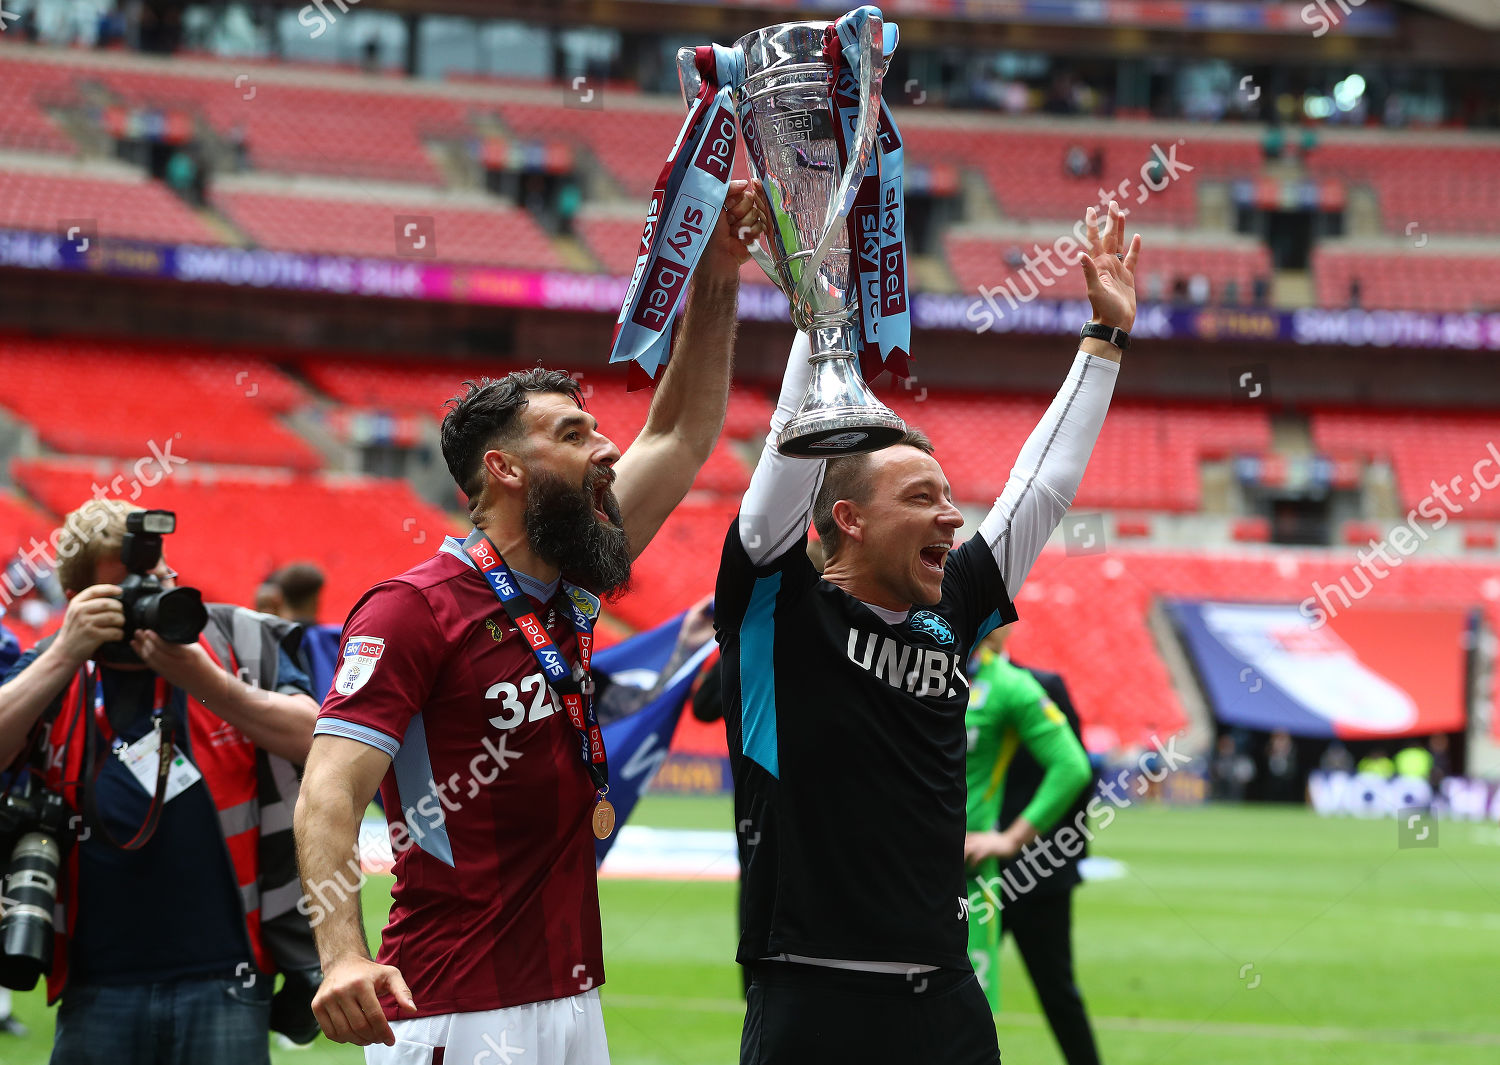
(877,222)
(684,209)
(572,683)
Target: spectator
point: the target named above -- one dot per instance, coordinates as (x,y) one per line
(1282,781)
(1442,763)
(1336,759)
(301,586)
(1232,770)
(1199,290)
(1231,296)
(268,598)
(1260,291)
(1355,293)
(182,176)
(1414,762)
(1076,162)
(167,946)
(1378,764)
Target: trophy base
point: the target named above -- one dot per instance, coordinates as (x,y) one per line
(826,434)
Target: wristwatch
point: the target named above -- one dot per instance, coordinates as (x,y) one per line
(1108,333)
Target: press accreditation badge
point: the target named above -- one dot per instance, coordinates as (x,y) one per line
(361,655)
(144,755)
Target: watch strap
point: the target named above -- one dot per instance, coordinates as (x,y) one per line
(1110,334)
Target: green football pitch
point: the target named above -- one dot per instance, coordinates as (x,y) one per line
(1237,935)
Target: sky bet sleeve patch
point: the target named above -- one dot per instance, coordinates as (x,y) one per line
(361,655)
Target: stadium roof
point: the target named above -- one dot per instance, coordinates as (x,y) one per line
(1482,13)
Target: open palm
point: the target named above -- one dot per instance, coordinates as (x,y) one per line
(1109,270)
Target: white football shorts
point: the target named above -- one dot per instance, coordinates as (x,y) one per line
(560,1031)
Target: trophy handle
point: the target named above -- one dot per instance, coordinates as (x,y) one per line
(866,135)
(692,82)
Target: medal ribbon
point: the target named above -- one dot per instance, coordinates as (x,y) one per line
(573,683)
(685,207)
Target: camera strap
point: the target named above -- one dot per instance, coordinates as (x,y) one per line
(95,724)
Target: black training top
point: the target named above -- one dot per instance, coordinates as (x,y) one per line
(846,736)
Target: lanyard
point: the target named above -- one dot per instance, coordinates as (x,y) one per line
(97,727)
(573,683)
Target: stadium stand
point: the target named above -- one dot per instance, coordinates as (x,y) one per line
(1147,456)
(275,516)
(27,89)
(1441,186)
(203,408)
(374,131)
(1025,173)
(1424,451)
(426,386)
(1108,652)
(630,142)
(1415,280)
(130,208)
(977,259)
(365,226)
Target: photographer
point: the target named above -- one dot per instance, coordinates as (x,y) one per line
(177,902)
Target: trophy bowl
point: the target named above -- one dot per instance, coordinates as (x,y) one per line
(789,118)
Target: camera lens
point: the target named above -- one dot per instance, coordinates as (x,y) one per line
(26,929)
(176,615)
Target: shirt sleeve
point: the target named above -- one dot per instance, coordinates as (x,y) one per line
(1065,765)
(1049,468)
(974,596)
(19,666)
(390,651)
(777,506)
(740,580)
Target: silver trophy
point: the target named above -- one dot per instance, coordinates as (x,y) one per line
(787,112)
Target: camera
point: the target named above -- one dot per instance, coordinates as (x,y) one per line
(177,615)
(30,886)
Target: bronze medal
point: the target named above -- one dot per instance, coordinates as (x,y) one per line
(604,819)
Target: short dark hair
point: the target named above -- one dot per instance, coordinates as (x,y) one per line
(300,584)
(487,414)
(849,478)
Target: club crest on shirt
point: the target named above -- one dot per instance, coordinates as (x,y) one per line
(361,654)
(587,605)
(934,626)
(494,630)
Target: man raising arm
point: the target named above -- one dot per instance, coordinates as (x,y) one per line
(844,699)
(454,703)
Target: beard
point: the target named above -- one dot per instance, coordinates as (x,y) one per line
(562,528)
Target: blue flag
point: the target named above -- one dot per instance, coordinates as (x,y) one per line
(650,676)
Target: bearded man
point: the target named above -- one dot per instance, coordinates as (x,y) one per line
(475,716)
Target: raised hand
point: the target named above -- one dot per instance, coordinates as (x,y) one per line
(1109,270)
(740,224)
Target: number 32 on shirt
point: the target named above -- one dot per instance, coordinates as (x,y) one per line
(513,709)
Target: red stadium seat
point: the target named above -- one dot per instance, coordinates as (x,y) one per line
(1424,450)
(199,407)
(1421,187)
(1410,280)
(27,91)
(236,526)
(366,226)
(134,209)
(981,260)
